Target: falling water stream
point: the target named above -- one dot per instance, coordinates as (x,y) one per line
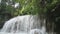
(27,24)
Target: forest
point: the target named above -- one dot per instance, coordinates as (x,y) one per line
(46,9)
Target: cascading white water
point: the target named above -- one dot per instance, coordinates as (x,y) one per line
(27,24)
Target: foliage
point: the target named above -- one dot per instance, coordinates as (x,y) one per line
(41,7)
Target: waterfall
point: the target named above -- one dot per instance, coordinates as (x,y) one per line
(27,24)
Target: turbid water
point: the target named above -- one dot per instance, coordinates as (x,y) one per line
(27,24)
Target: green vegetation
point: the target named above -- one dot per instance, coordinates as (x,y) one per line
(48,8)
